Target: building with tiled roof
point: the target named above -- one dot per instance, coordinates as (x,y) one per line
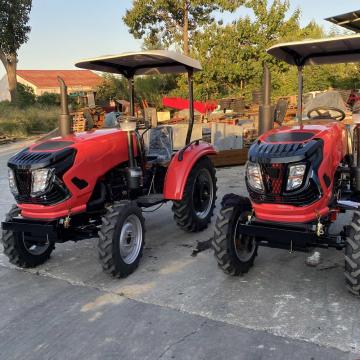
(45,81)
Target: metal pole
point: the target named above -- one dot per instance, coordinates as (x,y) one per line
(131,95)
(191,106)
(300,95)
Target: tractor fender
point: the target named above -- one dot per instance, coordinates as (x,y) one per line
(180,167)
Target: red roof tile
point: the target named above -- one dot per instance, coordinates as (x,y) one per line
(48,78)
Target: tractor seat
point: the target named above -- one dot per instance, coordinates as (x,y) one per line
(160,144)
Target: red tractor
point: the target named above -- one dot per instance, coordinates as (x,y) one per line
(96,183)
(298,178)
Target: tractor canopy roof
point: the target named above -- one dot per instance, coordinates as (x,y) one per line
(318,52)
(150,62)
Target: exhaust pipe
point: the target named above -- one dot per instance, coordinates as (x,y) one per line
(64,117)
(266,110)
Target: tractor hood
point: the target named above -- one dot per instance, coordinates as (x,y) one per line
(92,146)
(292,144)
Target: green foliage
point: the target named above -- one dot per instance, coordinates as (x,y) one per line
(25,96)
(163,22)
(14,28)
(150,88)
(153,88)
(111,87)
(48,99)
(21,122)
(232,55)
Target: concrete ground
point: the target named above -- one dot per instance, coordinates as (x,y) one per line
(176,306)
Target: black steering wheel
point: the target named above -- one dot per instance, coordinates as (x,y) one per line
(323,113)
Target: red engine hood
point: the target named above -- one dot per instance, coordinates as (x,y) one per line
(76,140)
(299,134)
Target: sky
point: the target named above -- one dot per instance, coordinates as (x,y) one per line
(65,31)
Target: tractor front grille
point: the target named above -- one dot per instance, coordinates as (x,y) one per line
(23,181)
(274,178)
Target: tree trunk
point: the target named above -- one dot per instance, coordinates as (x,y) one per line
(10,63)
(186,28)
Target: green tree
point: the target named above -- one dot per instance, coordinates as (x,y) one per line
(25,96)
(111,87)
(48,99)
(232,55)
(172,21)
(14,29)
(149,88)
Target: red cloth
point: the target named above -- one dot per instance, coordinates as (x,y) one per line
(181,104)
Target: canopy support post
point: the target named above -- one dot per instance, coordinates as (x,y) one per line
(300,95)
(191,105)
(131,95)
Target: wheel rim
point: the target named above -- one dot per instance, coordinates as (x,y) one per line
(245,246)
(35,248)
(203,193)
(130,239)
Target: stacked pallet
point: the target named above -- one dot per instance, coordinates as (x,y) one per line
(78,122)
(88,118)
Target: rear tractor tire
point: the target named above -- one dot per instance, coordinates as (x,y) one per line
(121,239)
(22,251)
(194,211)
(234,252)
(352,255)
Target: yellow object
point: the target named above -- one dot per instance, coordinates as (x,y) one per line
(163,116)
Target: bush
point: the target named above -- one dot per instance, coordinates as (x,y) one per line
(25,96)
(21,122)
(48,99)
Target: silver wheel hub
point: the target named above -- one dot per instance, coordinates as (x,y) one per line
(131,238)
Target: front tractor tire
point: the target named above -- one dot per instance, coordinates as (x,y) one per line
(21,250)
(121,239)
(352,255)
(234,252)
(194,211)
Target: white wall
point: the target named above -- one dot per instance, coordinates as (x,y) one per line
(4,92)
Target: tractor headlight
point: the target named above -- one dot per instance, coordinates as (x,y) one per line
(295,177)
(253,173)
(12,182)
(41,180)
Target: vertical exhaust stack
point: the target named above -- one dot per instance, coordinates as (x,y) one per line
(266,110)
(64,117)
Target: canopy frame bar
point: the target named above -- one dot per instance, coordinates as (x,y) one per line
(300,94)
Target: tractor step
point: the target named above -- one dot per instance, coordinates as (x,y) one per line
(150,200)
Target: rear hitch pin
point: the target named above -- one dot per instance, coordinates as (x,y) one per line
(250,216)
(67,222)
(319,227)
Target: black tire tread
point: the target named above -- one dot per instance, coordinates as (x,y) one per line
(183,213)
(11,250)
(105,242)
(225,260)
(352,255)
